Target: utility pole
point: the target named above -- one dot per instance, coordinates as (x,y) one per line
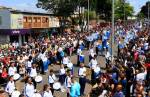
(88,15)
(112,32)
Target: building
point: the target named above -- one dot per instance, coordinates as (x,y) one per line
(16,25)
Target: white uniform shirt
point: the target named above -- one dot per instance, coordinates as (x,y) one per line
(12,71)
(62,71)
(70,65)
(47,94)
(93,63)
(82,72)
(15,94)
(68,82)
(65,60)
(141,76)
(33,72)
(29,90)
(79,51)
(37,95)
(52,78)
(29,64)
(10,87)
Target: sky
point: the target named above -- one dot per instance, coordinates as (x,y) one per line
(29,5)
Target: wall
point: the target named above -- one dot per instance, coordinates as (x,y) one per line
(53,22)
(5,19)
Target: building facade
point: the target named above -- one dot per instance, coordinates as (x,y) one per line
(17,26)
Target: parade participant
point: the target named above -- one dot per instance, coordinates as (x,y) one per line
(82,78)
(68,82)
(10,87)
(65,60)
(12,69)
(51,80)
(33,74)
(62,74)
(119,92)
(29,88)
(75,88)
(4,75)
(29,65)
(47,91)
(93,63)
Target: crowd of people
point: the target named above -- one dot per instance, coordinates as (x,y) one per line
(127,73)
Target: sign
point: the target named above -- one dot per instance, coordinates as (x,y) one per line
(16,21)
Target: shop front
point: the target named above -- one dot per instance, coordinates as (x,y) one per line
(15,35)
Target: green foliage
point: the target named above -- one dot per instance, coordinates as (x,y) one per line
(123,10)
(92,15)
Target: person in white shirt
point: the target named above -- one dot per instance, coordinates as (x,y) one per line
(10,87)
(12,69)
(33,74)
(93,63)
(91,53)
(29,64)
(70,66)
(29,88)
(65,60)
(51,79)
(46,91)
(62,74)
(107,57)
(82,78)
(68,82)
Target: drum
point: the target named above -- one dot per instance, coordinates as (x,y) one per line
(16,76)
(56,85)
(38,79)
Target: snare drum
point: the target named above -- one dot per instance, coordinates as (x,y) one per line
(56,85)
(16,76)
(38,79)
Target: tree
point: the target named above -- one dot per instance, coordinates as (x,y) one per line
(123,10)
(104,9)
(144,9)
(58,7)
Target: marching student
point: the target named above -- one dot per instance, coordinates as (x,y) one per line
(12,69)
(47,91)
(68,82)
(62,74)
(51,79)
(82,78)
(10,87)
(29,88)
(33,74)
(93,63)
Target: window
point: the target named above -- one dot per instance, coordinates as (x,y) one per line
(0,20)
(46,20)
(29,19)
(34,19)
(43,20)
(39,20)
(25,19)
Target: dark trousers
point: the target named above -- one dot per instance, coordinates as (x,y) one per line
(82,82)
(52,90)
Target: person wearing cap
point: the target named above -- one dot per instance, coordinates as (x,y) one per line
(82,78)
(10,87)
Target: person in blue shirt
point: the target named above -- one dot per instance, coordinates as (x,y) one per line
(75,88)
